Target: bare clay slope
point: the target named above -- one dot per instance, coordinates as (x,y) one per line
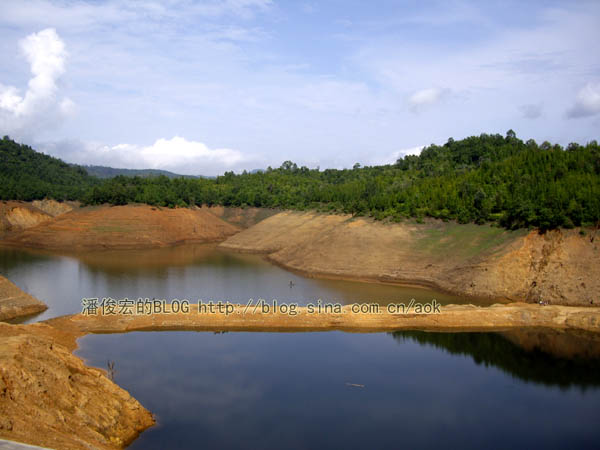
(49,397)
(16,216)
(130,226)
(561,267)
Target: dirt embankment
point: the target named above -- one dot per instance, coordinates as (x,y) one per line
(17,216)
(240,318)
(125,227)
(560,267)
(16,303)
(49,397)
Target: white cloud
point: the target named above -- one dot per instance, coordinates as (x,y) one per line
(178,155)
(178,152)
(395,156)
(587,102)
(237,73)
(46,54)
(89,15)
(67,106)
(426,97)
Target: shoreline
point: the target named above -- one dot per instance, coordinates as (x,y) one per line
(472,261)
(452,318)
(477,262)
(414,283)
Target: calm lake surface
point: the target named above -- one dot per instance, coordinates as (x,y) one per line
(318,390)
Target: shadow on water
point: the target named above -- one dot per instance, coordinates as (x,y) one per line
(548,357)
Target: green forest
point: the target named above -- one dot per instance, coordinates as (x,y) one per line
(481,179)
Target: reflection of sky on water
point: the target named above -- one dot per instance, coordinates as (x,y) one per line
(191,271)
(288,390)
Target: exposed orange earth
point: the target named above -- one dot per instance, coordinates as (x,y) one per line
(125,227)
(559,267)
(50,398)
(481,261)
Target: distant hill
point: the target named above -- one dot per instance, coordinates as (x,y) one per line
(110,172)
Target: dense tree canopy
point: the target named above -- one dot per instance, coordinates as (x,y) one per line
(478,179)
(28,175)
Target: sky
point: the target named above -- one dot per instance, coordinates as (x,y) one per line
(204,87)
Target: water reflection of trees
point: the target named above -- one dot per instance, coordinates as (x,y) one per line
(155,261)
(11,258)
(549,365)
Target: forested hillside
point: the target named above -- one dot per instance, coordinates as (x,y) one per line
(28,175)
(478,179)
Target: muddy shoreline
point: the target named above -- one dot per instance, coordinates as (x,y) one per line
(560,267)
(417,283)
(457,318)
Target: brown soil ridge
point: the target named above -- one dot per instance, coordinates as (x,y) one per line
(242,318)
(481,261)
(125,227)
(15,303)
(49,397)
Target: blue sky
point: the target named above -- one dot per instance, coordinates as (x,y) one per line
(201,87)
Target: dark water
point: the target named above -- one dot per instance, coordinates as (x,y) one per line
(289,390)
(523,389)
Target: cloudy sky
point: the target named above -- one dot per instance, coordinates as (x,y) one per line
(201,87)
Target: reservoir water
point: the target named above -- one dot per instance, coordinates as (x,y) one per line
(521,389)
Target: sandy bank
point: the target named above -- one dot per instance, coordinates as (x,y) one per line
(16,303)
(450,318)
(49,397)
(561,266)
(124,227)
